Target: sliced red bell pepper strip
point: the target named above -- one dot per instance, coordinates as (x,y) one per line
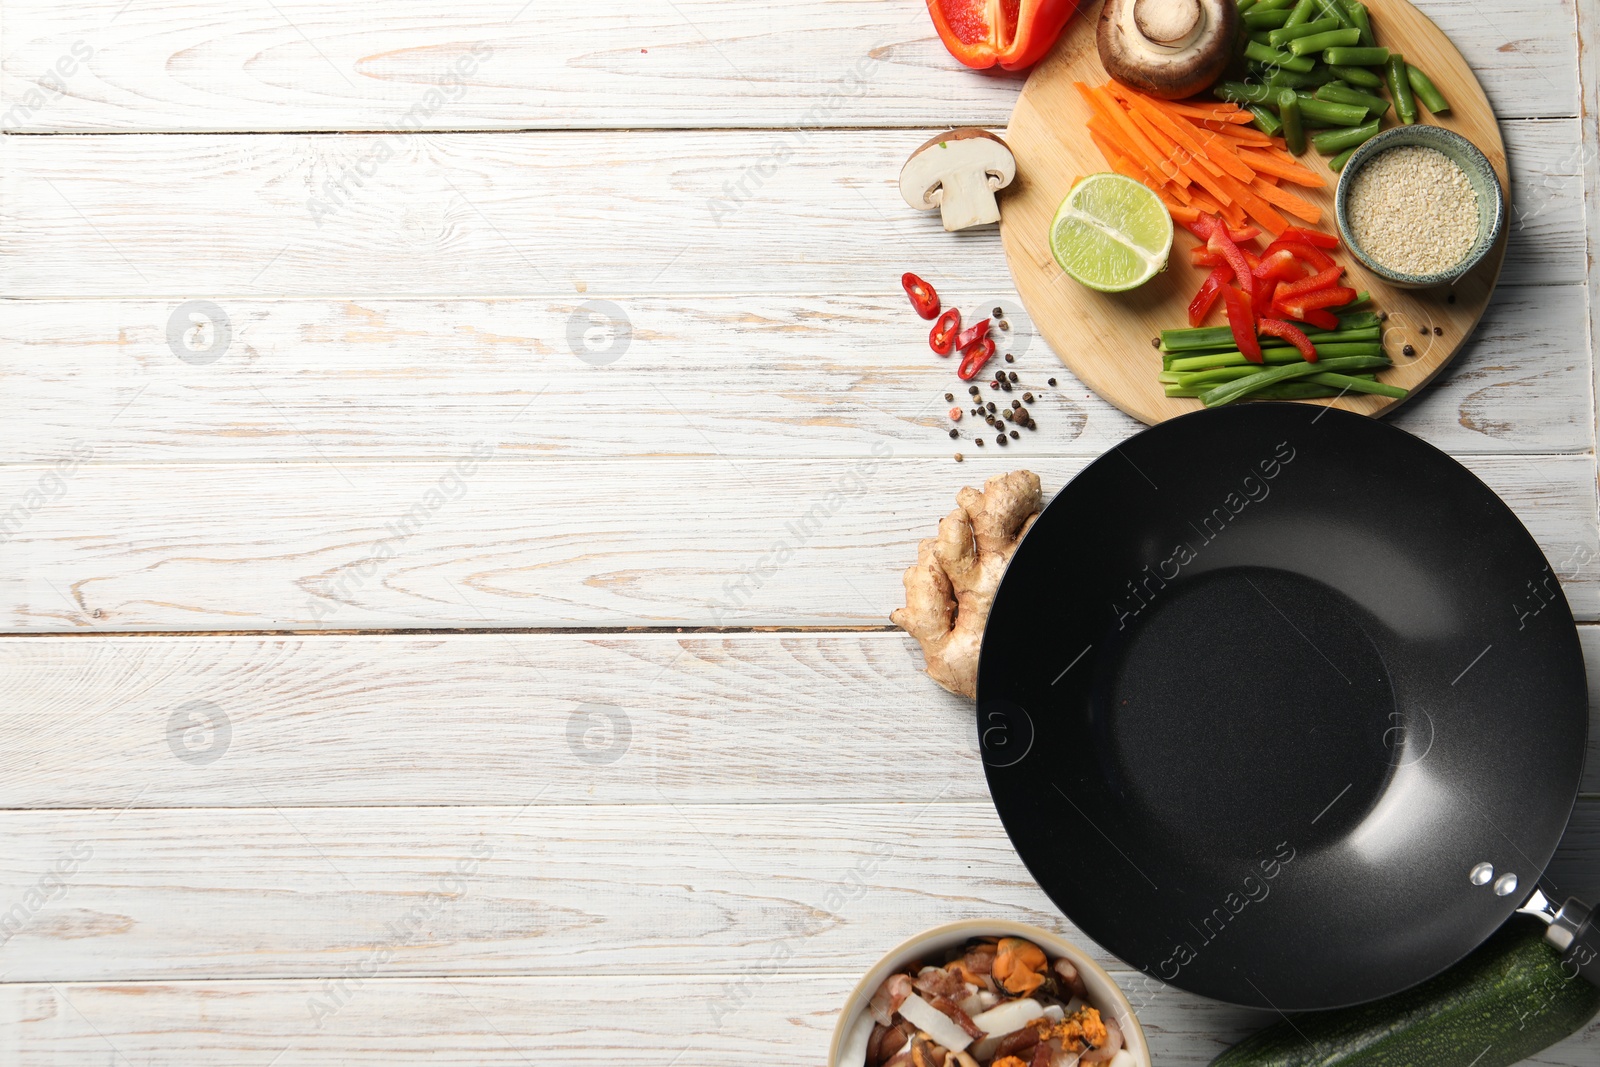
(1315,238)
(1288,332)
(1337,296)
(974,357)
(1206,298)
(1315,256)
(1015,34)
(922,295)
(1241,320)
(942,338)
(1201,228)
(1201,256)
(1281,266)
(1219,243)
(972,334)
(1323,279)
(1322,320)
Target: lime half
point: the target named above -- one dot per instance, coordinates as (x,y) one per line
(1111,233)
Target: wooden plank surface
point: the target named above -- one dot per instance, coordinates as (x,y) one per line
(793,376)
(577,541)
(495,214)
(662,888)
(727,1020)
(305,65)
(601,719)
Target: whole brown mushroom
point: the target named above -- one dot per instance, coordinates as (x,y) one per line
(1167,48)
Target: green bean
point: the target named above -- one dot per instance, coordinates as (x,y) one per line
(1261,53)
(1301,14)
(1423,89)
(1260,38)
(1231,391)
(1275,354)
(1273,5)
(1265,120)
(1358,76)
(1337,162)
(1356,57)
(1328,111)
(1245,5)
(1293,79)
(1278,38)
(1321,42)
(1356,384)
(1336,10)
(1342,94)
(1335,141)
(1257,19)
(1362,21)
(1294,134)
(1405,104)
(1243,93)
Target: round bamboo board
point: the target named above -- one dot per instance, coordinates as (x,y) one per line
(1105,339)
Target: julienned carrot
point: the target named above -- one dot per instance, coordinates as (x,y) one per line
(1180,213)
(1295,172)
(1257,208)
(1132,135)
(1247,135)
(1223,153)
(1218,112)
(1300,209)
(1129,167)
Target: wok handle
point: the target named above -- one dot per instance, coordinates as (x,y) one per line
(1575,930)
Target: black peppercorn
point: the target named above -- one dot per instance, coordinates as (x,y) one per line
(1015,404)
(1010,358)
(973,389)
(1006,386)
(1052,381)
(1438,331)
(1383,316)
(978,441)
(1015,435)
(1012,375)
(1408,350)
(1028,397)
(1000,439)
(1155,342)
(1451,299)
(954,432)
(998,312)
(949,396)
(991,405)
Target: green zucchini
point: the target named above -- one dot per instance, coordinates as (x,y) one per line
(1507,1001)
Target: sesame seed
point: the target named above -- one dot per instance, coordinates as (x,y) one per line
(1413,210)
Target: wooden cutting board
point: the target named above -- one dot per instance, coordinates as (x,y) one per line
(1105,339)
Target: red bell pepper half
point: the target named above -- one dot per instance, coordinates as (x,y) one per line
(1288,332)
(922,295)
(942,338)
(974,357)
(1242,321)
(1013,33)
(1206,298)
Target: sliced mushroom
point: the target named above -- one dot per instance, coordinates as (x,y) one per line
(1167,48)
(958,173)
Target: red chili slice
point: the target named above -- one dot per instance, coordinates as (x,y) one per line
(942,338)
(923,298)
(1206,298)
(972,334)
(1242,321)
(1288,332)
(974,357)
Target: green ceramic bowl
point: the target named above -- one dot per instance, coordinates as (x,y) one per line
(1465,154)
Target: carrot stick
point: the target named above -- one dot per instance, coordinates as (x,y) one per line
(1192,139)
(1219,113)
(1300,209)
(1225,156)
(1171,150)
(1243,134)
(1180,213)
(1206,204)
(1258,208)
(1295,172)
(1135,139)
(1105,137)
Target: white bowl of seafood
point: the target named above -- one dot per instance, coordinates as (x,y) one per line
(987,993)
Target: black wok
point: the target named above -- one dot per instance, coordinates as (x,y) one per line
(1284,706)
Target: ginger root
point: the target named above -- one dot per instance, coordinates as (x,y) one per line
(950,590)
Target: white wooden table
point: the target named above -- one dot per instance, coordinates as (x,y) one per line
(400,666)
